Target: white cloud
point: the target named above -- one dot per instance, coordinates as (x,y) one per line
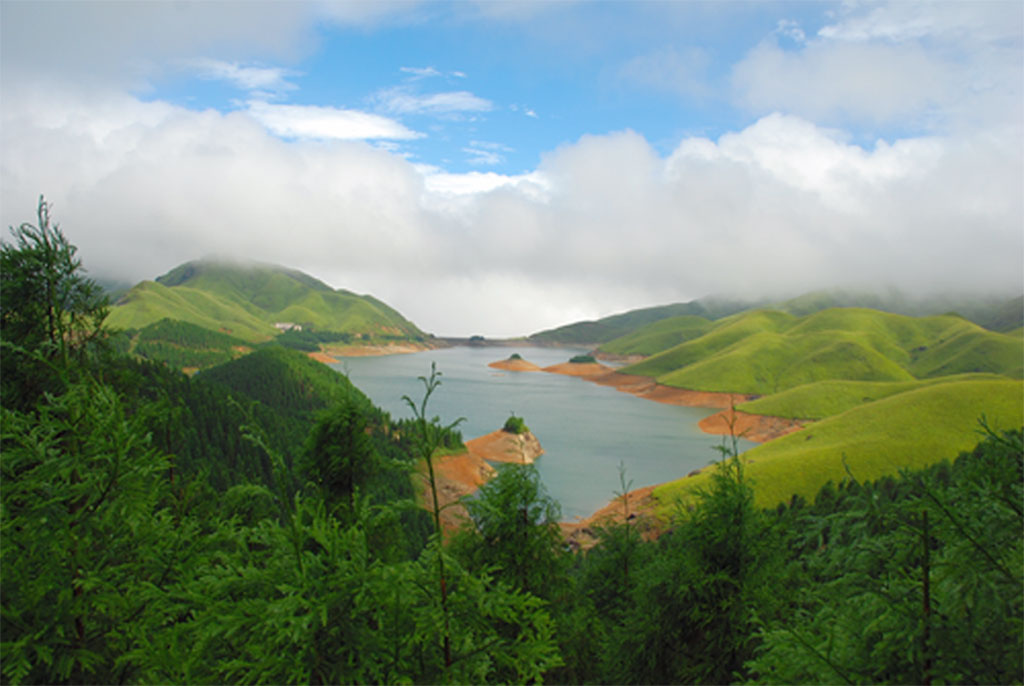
(924,66)
(681,72)
(420,72)
(447,185)
(312,121)
(251,78)
(873,83)
(791,29)
(604,224)
(486,153)
(400,100)
(483,157)
(973,22)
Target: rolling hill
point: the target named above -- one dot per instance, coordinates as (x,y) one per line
(616,325)
(246,300)
(768,351)
(613,334)
(905,430)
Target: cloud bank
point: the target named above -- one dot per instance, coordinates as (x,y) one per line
(784,203)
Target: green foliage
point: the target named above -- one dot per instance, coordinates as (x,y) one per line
(308,340)
(515,531)
(340,454)
(582,359)
(89,538)
(694,607)
(515,356)
(183,344)
(912,581)
(50,313)
(283,380)
(515,425)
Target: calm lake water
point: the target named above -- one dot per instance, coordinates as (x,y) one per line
(586,430)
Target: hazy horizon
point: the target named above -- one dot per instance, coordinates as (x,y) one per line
(513,167)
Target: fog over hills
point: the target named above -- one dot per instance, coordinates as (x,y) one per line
(663,152)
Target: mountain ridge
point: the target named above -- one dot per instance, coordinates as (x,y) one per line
(246,300)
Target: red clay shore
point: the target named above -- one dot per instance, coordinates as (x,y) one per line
(462,474)
(502,446)
(511,365)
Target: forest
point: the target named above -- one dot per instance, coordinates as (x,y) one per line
(258,523)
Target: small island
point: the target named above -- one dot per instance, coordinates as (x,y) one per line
(515,363)
(514,442)
(580,365)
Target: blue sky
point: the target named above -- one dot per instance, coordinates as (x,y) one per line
(472,92)
(565,160)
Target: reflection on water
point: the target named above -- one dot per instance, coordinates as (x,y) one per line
(585,429)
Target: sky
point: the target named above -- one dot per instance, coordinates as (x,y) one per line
(499,168)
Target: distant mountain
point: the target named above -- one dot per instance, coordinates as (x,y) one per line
(632,332)
(616,325)
(247,300)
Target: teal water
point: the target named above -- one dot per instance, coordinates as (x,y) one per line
(586,430)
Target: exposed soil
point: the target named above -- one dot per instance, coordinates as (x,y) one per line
(372,350)
(753,427)
(461,475)
(646,387)
(583,533)
(581,369)
(502,446)
(515,365)
(456,476)
(322,357)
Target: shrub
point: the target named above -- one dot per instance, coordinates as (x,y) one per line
(515,425)
(515,356)
(582,359)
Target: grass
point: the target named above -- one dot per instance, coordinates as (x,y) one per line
(766,351)
(658,336)
(247,301)
(149,302)
(830,397)
(907,430)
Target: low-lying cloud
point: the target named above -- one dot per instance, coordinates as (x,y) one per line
(605,223)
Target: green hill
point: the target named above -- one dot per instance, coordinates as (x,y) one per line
(653,330)
(822,399)
(617,325)
(286,381)
(182,344)
(906,430)
(246,301)
(657,336)
(768,351)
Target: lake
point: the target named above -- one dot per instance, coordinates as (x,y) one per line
(586,429)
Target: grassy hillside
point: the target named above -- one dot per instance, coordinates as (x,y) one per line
(246,301)
(768,351)
(149,302)
(822,399)
(657,336)
(911,429)
(617,325)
